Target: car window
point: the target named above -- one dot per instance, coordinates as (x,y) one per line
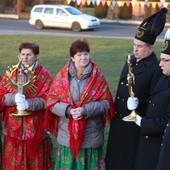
(39,9)
(73,11)
(48,10)
(60,12)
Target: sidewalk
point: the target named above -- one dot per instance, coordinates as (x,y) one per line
(120,21)
(131,22)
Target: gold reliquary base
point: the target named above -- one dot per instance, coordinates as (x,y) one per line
(131,117)
(21,113)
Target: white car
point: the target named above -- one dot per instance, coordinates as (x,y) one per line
(61,16)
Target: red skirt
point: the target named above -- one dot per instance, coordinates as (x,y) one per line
(15,156)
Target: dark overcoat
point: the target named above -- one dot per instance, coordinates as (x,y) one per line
(164,157)
(153,126)
(123,136)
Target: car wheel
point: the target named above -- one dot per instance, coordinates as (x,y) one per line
(76,26)
(39,24)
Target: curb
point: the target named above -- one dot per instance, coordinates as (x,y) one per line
(132,22)
(120,21)
(9,16)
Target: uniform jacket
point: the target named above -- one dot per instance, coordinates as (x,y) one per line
(164,163)
(153,126)
(123,136)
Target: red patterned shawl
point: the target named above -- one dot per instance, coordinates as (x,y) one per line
(96,89)
(32,125)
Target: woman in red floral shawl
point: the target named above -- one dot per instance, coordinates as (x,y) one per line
(26,145)
(78,104)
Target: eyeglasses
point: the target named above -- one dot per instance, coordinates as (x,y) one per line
(164,60)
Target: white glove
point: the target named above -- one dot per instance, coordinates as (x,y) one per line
(19,98)
(138,120)
(22,106)
(132,103)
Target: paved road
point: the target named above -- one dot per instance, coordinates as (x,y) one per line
(10,27)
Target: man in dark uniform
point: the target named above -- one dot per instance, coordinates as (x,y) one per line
(164,157)
(123,136)
(152,126)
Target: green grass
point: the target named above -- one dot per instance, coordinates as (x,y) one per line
(109,54)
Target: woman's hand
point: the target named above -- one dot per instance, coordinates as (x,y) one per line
(21,102)
(77,113)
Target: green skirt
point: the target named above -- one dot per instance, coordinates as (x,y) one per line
(88,159)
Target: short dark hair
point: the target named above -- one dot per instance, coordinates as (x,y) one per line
(80,45)
(28,45)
